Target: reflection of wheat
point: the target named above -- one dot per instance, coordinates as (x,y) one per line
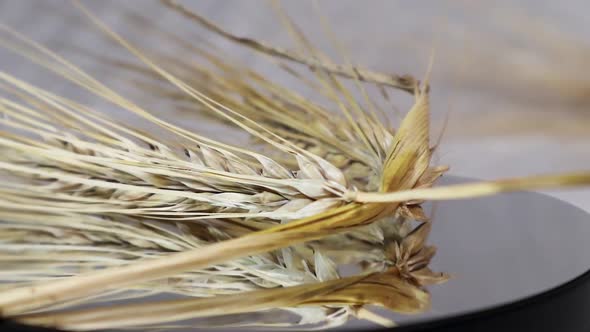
(96,210)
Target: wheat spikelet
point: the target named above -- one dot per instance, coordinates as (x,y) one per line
(95,210)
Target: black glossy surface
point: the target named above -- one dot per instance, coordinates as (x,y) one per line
(505,248)
(502,249)
(528,267)
(561,309)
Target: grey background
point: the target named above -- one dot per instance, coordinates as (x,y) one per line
(489,56)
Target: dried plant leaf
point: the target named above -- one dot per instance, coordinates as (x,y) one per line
(406,83)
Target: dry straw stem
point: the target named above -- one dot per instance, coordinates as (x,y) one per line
(477,189)
(405,83)
(109,171)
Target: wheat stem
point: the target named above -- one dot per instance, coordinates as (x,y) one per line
(476,189)
(405,82)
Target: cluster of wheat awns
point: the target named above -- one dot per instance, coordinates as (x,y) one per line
(93,210)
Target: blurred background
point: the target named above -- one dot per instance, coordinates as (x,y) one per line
(510,77)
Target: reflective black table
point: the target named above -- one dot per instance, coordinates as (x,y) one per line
(519,261)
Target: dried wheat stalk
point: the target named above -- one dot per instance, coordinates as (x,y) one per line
(95,210)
